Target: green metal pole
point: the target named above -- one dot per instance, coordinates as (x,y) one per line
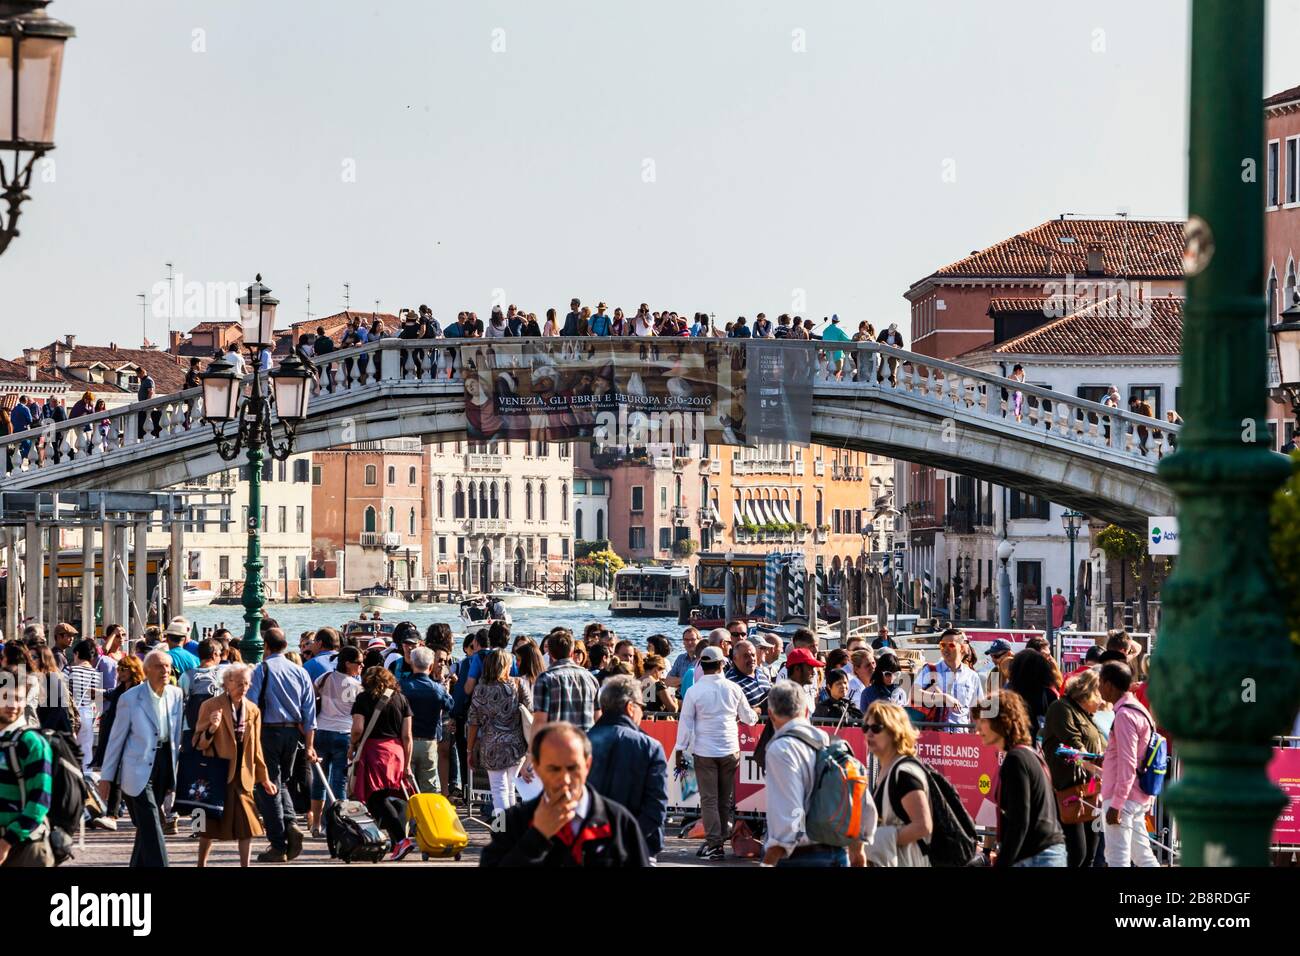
(1073,535)
(251,647)
(1225,676)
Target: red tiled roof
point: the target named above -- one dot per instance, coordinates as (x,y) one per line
(1130,249)
(167,370)
(1112,326)
(1286,96)
(17,372)
(213,326)
(1029,303)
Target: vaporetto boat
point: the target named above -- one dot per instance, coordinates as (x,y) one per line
(648,591)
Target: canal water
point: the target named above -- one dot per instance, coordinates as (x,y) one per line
(535,622)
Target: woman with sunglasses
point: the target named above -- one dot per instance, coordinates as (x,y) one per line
(885,684)
(902,794)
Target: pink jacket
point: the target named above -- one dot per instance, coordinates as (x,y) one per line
(1128,741)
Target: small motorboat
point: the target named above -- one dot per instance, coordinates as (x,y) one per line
(477,612)
(198,597)
(380,598)
(511,596)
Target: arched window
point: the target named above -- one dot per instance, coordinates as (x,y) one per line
(372,476)
(798,508)
(482,499)
(541,501)
(442,510)
(507,491)
(411,476)
(1272,297)
(1288,296)
(458,501)
(473,500)
(371,517)
(392,475)
(496,506)
(528,501)
(411,525)
(600,524)
(577,525)
(564,502)
(392,519)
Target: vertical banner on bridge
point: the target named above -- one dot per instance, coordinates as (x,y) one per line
(779,392)
(635,391)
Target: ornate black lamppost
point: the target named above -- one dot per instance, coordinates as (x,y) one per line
(224,402)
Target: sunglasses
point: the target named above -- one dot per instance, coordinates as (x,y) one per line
(875,728)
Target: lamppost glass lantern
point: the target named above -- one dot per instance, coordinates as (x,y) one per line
(220,392)
(257,315)
(292,395)
(31,67)
(1286,345)
(1071,521)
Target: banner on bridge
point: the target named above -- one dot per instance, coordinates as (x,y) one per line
(639,391)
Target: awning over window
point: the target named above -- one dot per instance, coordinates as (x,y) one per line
(736,515)
(785,510)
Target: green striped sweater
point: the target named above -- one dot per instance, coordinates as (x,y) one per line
(19,817)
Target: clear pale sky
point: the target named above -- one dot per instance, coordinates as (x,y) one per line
(505,144)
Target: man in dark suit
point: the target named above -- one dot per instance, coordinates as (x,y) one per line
(627,763)
(570,824)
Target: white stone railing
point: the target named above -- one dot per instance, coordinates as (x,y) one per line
(98,441)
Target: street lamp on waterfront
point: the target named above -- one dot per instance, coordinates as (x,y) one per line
(1072,521)
(1286,346)
(1005,550)
(223,402)
(31,66)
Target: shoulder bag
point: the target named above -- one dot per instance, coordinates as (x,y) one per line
(361,744)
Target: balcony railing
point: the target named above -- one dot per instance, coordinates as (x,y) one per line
(959,522)
(819,467)
(486,525)
(705,517)
(770,537)
(680,513)
(764,467)
(478,462)
(381,539)
(820,536)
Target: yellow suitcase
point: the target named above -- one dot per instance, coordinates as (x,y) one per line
(438,830)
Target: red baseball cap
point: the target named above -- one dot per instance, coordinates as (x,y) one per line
(801,655)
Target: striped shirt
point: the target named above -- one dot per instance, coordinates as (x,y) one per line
(86,684)
(566,691)
(24,789)
(755,688)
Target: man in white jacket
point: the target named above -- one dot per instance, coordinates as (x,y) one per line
(790,765)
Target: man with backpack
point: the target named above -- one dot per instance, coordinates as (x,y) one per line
(1132,735)
(25,775)
(199,685)
(806,774)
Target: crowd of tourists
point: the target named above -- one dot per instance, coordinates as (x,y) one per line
(553,731)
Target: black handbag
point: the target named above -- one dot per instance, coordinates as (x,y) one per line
(201,784)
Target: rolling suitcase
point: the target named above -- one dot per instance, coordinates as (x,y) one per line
(350,830)
(438,830)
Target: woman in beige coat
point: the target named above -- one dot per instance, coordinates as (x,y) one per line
(230,726)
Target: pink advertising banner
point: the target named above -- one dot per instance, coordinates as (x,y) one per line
(1284,770)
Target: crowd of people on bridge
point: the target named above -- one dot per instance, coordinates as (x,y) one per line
(547,738)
